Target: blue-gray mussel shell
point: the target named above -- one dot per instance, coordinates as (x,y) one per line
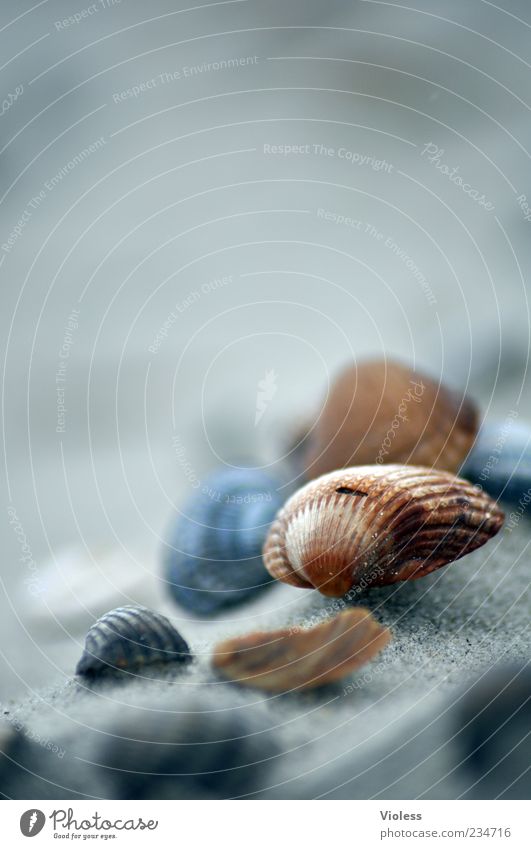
(213,558)
(500,461)
(129,638)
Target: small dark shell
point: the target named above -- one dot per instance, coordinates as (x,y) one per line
(214,556)
(383,412)
(374,525)
(129,638)
(500,461)
(281,661)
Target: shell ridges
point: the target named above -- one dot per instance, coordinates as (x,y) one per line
(129,638)
(412,521)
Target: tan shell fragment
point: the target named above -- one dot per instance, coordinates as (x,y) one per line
(384,412)
(373,525)
(280,661)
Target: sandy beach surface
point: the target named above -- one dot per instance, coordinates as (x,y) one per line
(391,730)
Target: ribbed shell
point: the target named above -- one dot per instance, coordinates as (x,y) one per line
(280,661)
(383,412)
(500,461)
(129,638)
(214,558)
(372,525)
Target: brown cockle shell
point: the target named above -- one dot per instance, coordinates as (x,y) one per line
(383,412)
(373,525)
(285,660)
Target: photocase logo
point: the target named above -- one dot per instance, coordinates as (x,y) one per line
(32,822)
(267,389)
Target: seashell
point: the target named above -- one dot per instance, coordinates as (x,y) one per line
(281,661)
(500,461)
(76,587)
(373,525)
(214,559)
(129,638)
(384,412)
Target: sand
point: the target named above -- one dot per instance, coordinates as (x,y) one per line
(389,731)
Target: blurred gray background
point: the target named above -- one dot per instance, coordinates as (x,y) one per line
(193,199)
